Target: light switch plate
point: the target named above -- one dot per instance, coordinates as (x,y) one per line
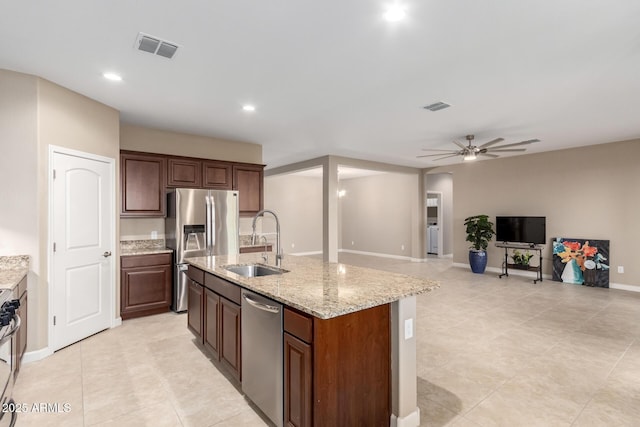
(408,329)
(154,234)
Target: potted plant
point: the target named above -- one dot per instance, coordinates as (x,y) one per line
(521,260)
(479,233)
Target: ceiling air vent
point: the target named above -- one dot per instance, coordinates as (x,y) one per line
(155,46)
(437,106)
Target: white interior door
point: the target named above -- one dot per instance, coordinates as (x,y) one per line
(82,230)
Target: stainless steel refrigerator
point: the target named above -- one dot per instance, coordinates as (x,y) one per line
(199,223)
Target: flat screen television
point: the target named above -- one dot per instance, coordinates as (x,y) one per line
(521,229)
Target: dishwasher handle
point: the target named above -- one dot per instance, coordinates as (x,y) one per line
(261,306)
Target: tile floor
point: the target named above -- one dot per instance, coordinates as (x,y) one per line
(491,352)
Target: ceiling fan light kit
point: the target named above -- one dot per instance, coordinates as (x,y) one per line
(472,152)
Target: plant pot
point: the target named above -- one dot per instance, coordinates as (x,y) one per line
(478,261)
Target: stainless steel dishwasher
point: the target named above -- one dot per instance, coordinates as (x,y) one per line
(262,354)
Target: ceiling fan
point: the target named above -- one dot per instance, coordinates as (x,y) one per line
(471,152)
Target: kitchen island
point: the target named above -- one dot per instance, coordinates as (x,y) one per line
(350,355)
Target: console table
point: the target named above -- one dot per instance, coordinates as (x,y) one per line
(524,246)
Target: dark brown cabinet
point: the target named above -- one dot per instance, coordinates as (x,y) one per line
(19,344)
(217,175)
(142,178)
(195,305)
(145,285)
(248,180)
(211,334)
(184,173)
(230,336)
(297,382)
(214,317)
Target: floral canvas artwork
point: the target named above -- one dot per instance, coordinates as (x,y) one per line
(581,261)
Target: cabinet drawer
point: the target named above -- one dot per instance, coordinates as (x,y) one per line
(196,274)
(298,324)
(144,260)
(223,288)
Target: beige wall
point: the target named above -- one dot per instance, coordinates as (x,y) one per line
(298,203)
(587,192)
(138,138)
(377,213)
(36,114)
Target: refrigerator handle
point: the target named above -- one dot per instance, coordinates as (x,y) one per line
(213,223)
(207,230)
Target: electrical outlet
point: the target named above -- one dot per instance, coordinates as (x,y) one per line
(620,269)
(402,247)
(154,234)
(408,329)
(353,243)
(293,245)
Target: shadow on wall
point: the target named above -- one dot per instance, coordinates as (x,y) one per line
(437,405)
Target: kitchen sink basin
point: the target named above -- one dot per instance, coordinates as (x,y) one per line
(254,270)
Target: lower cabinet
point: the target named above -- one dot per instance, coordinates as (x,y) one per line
(214,316)
(297,382)
(195,305)
(145,285)
(230,336)
(211,315)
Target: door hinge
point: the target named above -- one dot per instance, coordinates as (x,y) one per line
(54,246)
(54,174)
(54,320)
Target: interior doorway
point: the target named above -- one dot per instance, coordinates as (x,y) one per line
(434,230)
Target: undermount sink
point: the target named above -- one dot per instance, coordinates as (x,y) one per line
(254,270)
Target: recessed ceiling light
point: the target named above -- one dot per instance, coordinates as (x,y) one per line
(249,108)
(395,13)
(112,76)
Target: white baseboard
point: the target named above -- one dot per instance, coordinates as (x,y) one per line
(116,322)
(406,258)
(531,274)
(306,253)
(411,420)
(34,356)
(623,287)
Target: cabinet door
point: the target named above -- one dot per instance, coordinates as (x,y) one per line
(297,382)
(230,336)
(216,175)
(142,181)
(248,180)
(19,344)
(211,322)
(184,173)
(145,291)
(194,309)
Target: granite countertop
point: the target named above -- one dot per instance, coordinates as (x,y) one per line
(143,247)
(324,290)
(12,270)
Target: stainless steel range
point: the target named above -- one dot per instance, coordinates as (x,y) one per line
(9,326)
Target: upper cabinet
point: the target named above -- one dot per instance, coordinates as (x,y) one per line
(216,175)
(184,173)
(142,180)
(248,180)
(145,178)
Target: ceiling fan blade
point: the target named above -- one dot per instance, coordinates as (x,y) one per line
(439,154)
(436,149)
(530,141)
(459,144)
(498,150)
(446,157)
(488,155)
(488,144)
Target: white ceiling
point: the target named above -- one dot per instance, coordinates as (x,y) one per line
(332,77)
(344,172)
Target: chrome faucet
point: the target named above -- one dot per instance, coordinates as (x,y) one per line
(279,254)
(265,256)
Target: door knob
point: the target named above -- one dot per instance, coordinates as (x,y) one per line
(106,254)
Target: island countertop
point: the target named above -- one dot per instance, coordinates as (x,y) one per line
(322,289)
